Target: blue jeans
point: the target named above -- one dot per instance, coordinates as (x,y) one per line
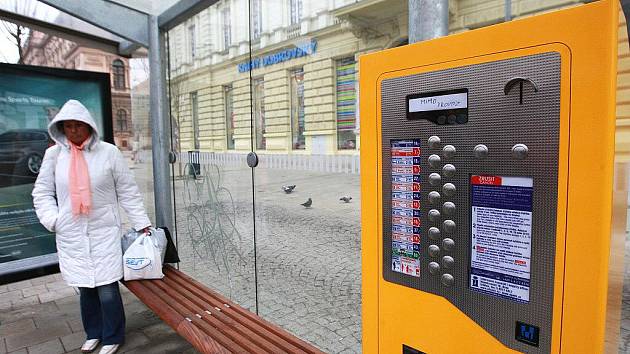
(103,314)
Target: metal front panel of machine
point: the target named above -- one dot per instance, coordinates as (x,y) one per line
(470,179)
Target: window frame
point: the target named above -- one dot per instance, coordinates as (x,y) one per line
(228,110)
(258,100)
(226,22)
(295,12)
(294,110)
(118,74)
(122,119)
(338,62)
(194,117)
(192,41)
(256,25)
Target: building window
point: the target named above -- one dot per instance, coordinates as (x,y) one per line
(295,8)
(118,69)
(227,28)
(259,112)
(256,20)
(346,104)
(297,109)
(194,114)
(193,41)
(229,115)
(121,120)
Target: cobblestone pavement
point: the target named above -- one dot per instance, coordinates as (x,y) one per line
(41,316)
(308,259)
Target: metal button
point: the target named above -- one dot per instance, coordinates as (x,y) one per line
(447,279)
(448,151)
(441,120)
(451,119)
(435,179)
(520,151)
(434,142)
(449,189)
(434,251)
(448,226)
(480,151)
(434,267)
(448,244)
(434,215)
(448,262)
(448,208)
(434,233)
(434,160)
(434,197)
(448,170)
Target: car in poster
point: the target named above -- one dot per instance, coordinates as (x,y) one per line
(22,152)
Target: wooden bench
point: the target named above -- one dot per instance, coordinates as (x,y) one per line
(209,321)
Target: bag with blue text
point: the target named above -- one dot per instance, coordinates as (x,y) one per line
(143,259)
(159,234)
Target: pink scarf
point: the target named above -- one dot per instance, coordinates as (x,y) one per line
(79,180)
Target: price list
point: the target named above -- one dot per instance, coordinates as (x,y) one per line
(406,206)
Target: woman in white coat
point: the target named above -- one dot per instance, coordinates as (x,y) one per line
(80,186)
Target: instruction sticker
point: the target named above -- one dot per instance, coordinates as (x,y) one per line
(500,261)
(405,215)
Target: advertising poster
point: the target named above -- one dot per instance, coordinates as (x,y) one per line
(501,236)
(406,207)
(30,97)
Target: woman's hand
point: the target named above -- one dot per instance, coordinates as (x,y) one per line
(146,229)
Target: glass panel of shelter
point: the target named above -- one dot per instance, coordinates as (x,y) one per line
(211,118)
(308,239)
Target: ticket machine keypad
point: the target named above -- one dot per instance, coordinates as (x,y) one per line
(448,186)
(441,225)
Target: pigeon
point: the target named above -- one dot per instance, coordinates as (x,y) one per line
(308,203)
(346,199)
(288,189)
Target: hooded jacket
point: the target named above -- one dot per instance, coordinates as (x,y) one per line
(88,246)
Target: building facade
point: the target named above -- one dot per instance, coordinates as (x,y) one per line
(300,58)
(42,49)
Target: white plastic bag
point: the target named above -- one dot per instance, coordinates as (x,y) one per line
(128,238)
(143,259)
(160,238)
(132,235)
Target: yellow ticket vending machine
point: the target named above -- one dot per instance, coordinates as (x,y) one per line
(487,171)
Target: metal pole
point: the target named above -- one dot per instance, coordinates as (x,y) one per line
(160,135)
(427,19)
(508,10)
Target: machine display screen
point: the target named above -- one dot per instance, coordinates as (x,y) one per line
(500,261)
(441,107)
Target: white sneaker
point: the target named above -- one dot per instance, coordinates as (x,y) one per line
(90,345)
(109,349)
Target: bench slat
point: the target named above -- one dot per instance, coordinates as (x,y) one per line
(215,334)
(175,320)
(161,308)
(254,326)
(298,344)
(200,340)
(182,303)
(210,322)
(223,316)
